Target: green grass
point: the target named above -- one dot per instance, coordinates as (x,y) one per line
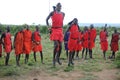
(89,66)
(68,69)
(86,66)
(117,60)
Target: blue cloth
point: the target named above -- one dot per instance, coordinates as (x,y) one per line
(66,38)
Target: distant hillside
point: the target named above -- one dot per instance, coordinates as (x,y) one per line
(100,24)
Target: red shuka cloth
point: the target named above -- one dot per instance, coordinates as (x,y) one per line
(85,39)
(57,19)
(37,42)
(92,36)
(19,43)
(73,39)
(57,23)
(114,42)
(79,45)
(27,42)
(103,41)
(7,43)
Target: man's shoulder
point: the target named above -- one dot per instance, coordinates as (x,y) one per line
(63,13)
(52,12)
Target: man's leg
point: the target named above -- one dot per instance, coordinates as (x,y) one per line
(55,52)
(41,55)
(113,55)
(67,54)
(90,53)
(17,60)
(59,52)
(104,55)
(83,52)
(86,53)
(77,54)
(59,48)
(35,56)
(73,54)
(19,57)
(26,58)
(70,58)
(7,59)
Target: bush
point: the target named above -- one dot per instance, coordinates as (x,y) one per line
(44,29)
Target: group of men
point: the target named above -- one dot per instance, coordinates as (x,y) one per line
(113,44)
(24,42)
(75,40)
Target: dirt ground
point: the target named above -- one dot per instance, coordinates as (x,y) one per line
(108,75)
(73,75)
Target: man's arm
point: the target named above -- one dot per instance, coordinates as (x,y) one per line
(63,15)
(111,40)
(48,18)
(69,26)
(70,23)
(106,33)
(33,37)
(78,27)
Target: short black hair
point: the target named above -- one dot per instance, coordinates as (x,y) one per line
(58,4)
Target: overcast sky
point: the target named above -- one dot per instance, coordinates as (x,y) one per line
(36,11)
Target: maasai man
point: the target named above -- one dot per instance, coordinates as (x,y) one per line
(85,41)
(18,45)
(7,44)
(73,39)
(92,37)
(56,31)
(27,43)
(114,43)
(104,41)
(37,45)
